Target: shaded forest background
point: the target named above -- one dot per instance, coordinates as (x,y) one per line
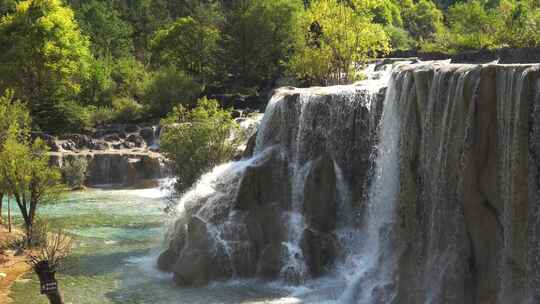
(80,63)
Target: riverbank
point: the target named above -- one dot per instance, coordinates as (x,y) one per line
(12,266)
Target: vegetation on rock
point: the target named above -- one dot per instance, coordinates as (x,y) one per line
(197,140)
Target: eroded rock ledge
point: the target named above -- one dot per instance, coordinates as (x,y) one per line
(117,155)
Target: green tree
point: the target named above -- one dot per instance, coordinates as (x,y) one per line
(257,39)
(422,19)
(146,17)
(197,140)
(168,88)
(126,109)
(521,23)
(31,180)
(44,58)
(190,45)
(99,88)
(7,7)
(109,33)
(25,172)
(400,39)
(131,78)
(386,12)
(14,117)
(337,39)
(472,26)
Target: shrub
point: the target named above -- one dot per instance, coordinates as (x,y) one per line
(74,171)
(126,109)
(198,140)
(168,88)
(99,115)
(399,38)
(131,77)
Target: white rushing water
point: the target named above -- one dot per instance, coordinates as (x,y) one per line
(366,272)
(299,127)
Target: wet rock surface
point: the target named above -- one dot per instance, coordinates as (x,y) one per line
(466,227)
(252,210)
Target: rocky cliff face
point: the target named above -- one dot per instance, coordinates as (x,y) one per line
(117,155)
(275,213)
(467,207)
(120,168)
(440,205)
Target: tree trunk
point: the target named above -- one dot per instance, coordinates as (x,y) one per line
(9,214)
(46,275)
(55,298)
(1,204)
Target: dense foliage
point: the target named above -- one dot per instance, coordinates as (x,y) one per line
(74,171)
(338,37)
(44,58)
(197,140)
(78,63)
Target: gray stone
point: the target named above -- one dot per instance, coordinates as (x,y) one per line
(320,251)
(320,195)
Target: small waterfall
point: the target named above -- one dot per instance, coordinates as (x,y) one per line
(370,274)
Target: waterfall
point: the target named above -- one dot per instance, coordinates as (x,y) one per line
(416,185)
(371,268)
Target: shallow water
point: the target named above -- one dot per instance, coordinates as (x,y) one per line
(119,234)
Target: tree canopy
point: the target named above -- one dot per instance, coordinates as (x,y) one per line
(78,63)
(337,38)
(44,58)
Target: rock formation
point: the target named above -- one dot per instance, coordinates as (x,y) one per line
(440,205)
(117,155)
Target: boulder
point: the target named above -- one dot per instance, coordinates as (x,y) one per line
(250,146)
(80,140)
(132,128)
(320,195)
(169,257)
(148,134)
(192,268)
(270,262)
(69,145)
(100,146)
(264,182)
(198,235)
(136,139)
(115,137)
(319,251)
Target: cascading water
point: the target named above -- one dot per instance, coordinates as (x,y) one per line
(427,195)
(371,269)
(300,137)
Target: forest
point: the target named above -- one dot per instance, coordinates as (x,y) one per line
(77,64)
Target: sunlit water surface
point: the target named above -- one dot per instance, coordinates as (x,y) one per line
(119,234)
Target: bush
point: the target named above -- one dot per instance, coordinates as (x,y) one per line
(100,115)
(74,171)
(399,38)
(126,109)
(198,140)
(72,116)
(131,77)
(168,88)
